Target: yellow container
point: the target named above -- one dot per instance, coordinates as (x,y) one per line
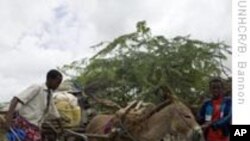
(69,112)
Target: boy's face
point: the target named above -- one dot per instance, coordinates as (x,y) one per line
(216,89)
(54,83)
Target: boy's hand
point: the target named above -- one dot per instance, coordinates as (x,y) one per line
(61,130)
(206,125)
(7,123)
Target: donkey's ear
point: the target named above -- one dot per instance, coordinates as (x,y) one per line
(168,93)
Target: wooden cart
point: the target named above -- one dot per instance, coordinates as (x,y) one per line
(51,132)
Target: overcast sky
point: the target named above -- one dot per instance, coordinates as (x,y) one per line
(37,35)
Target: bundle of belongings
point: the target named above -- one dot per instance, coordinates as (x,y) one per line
(68,108)
(67,105)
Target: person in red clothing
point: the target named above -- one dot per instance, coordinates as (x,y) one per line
(215,114)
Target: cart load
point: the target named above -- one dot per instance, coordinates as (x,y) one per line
(68,108)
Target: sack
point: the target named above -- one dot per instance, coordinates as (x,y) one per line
(68,108)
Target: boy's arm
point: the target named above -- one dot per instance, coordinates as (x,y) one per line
(223,122)
(53,112)
(22,98)
(201,114)
(10,113)
(226,120)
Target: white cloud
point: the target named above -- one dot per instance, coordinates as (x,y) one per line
(36,36)
(19,15)
(28,65)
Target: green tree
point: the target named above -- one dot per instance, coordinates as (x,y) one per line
(135,65)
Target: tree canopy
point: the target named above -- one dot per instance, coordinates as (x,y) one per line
(135,65)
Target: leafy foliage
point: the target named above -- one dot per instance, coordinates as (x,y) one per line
(135,65)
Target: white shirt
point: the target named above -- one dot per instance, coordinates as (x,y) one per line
(34,100)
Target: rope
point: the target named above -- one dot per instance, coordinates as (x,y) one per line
(126,131)
(84,137)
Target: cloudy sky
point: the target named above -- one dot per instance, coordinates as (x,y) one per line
(36,36)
